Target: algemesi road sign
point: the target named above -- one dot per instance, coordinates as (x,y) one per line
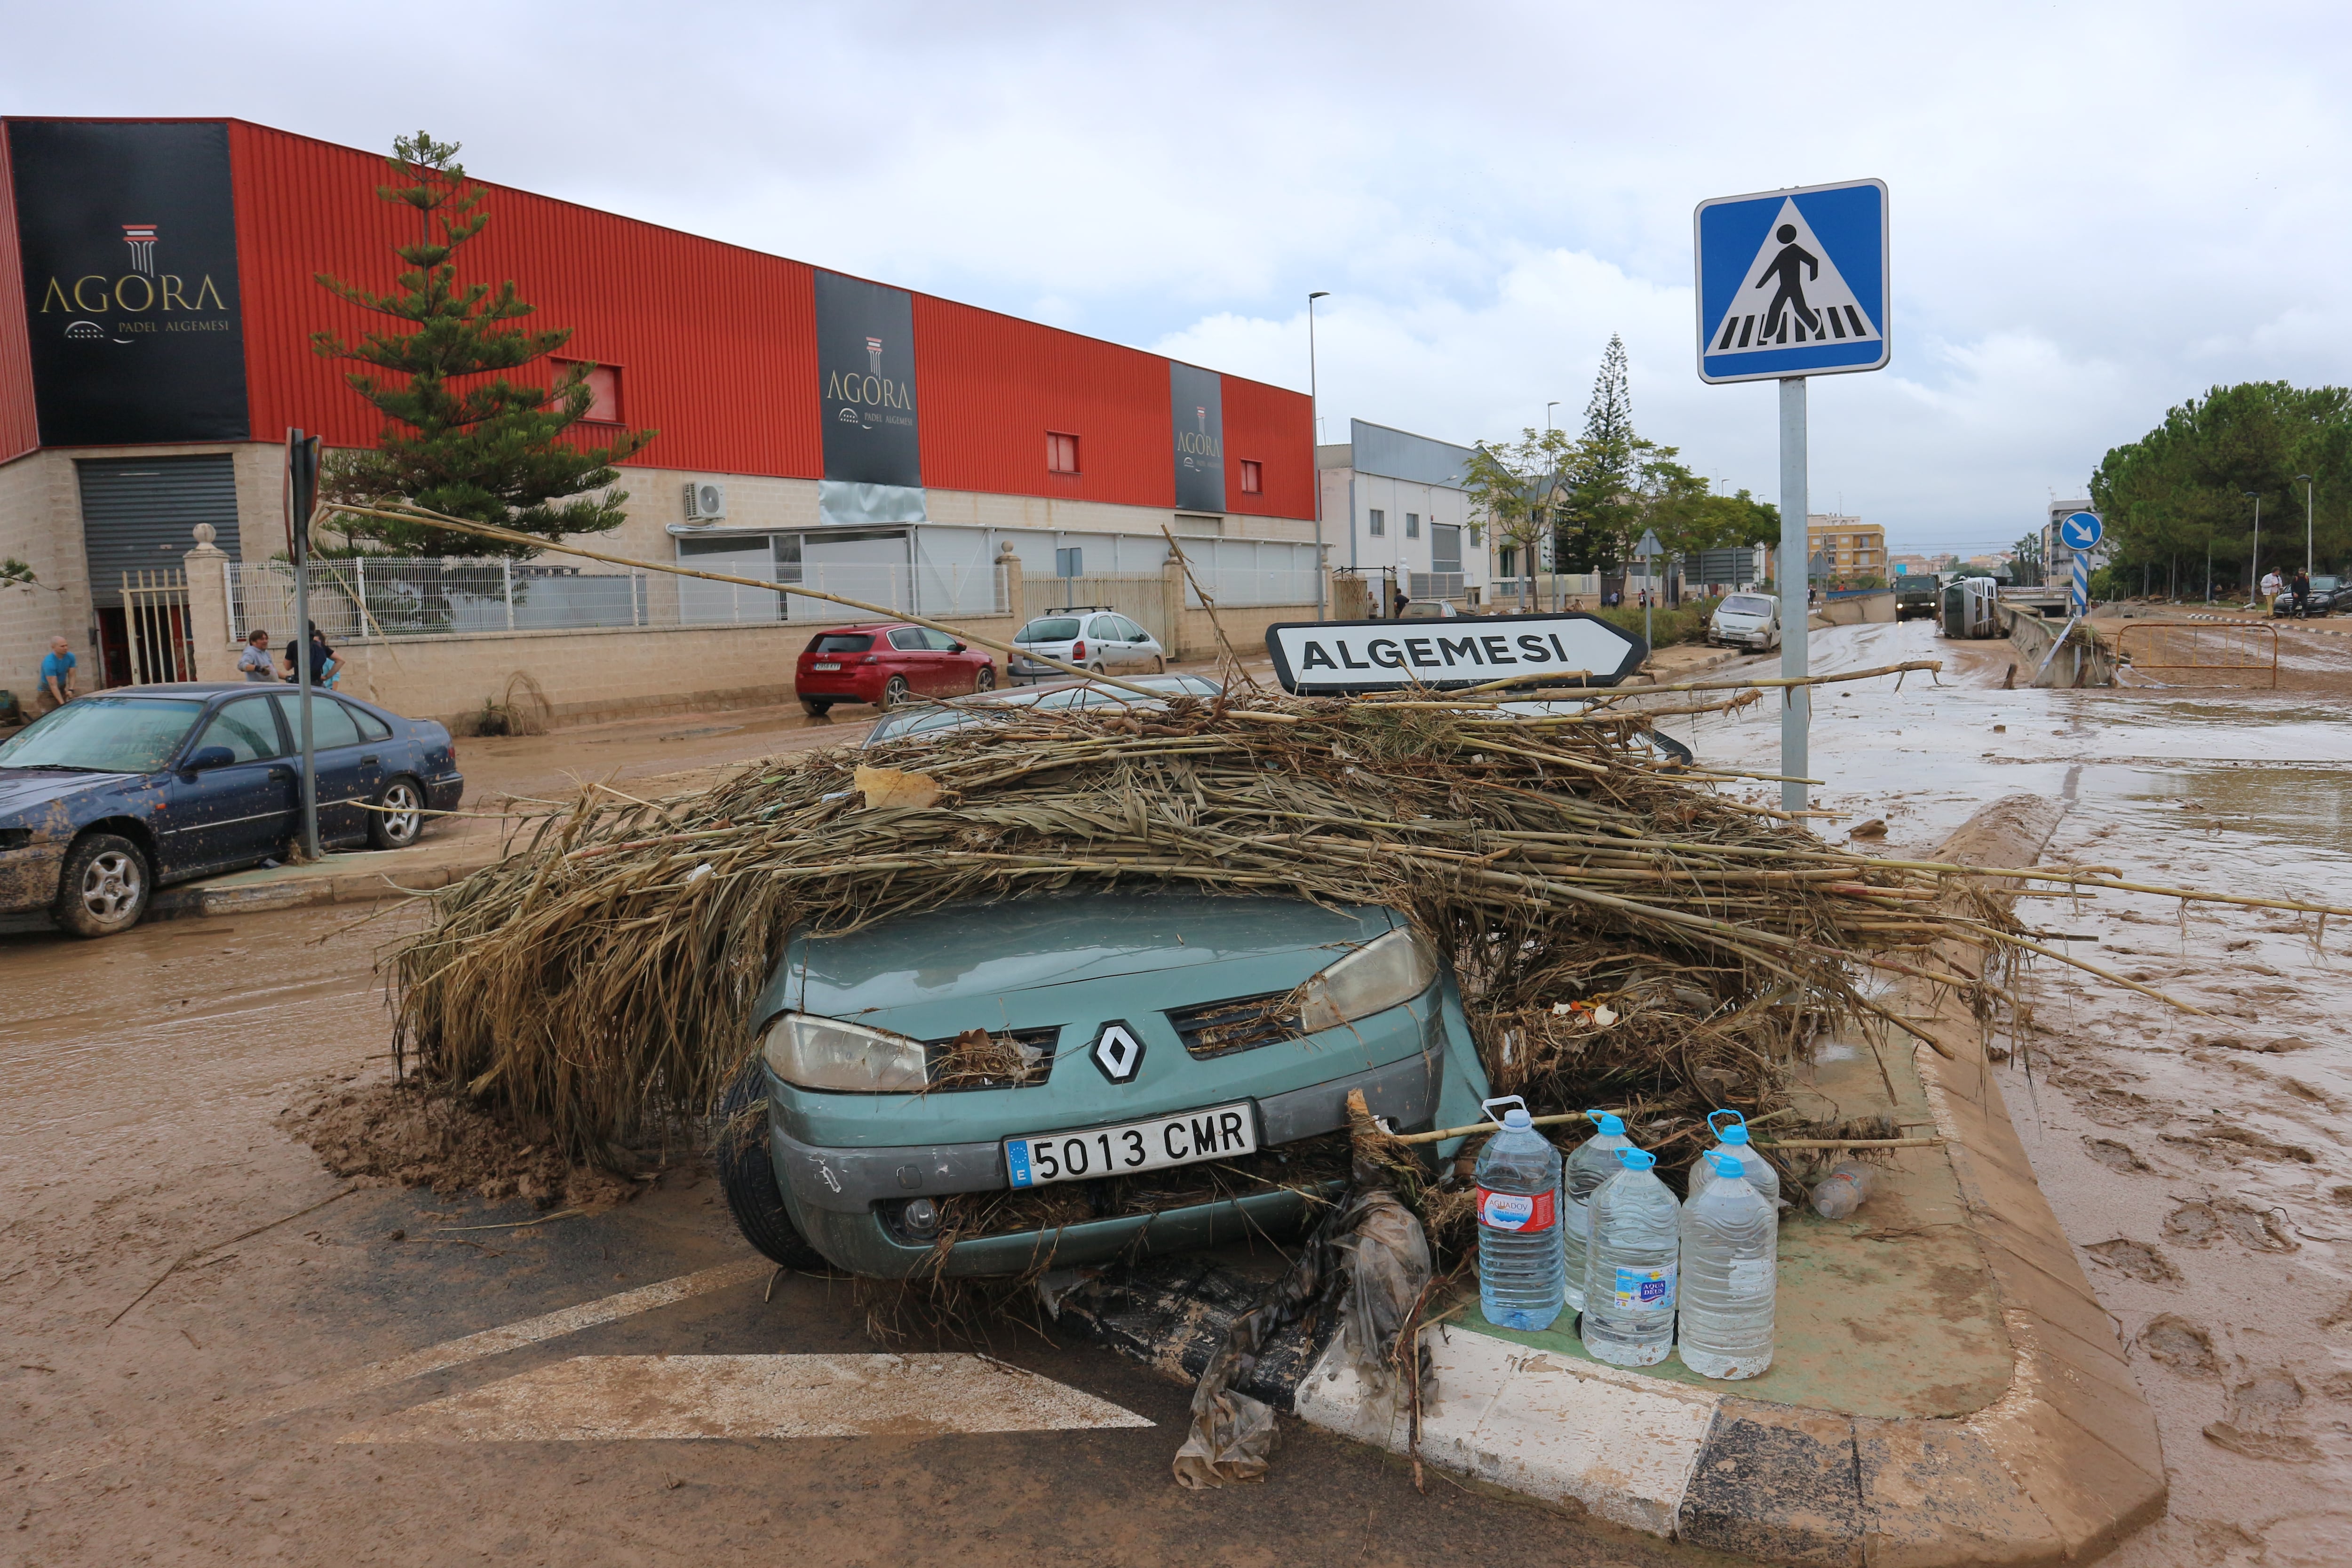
(1338,659)
(1792,282)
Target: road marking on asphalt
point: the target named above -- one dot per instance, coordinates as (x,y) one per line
(592,1399)
(497,1341)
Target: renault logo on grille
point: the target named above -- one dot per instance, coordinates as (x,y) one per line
(1117,1052)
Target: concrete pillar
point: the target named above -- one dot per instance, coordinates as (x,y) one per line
(1172,599)
(1009,564)
(208,623)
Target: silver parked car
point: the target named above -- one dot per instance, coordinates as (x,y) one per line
(1095,636)
(931,717)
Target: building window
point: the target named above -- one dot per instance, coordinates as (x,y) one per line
(1379,523)
(1253,478)
(1412,525)
(1061,452)
(604,388)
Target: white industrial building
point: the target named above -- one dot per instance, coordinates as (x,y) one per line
(1395,516)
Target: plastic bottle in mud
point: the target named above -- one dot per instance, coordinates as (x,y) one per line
(1629,1269)
(1841,1192)
(1593,1162)
(1733,1141)
(1521,1270)
(1730,1241)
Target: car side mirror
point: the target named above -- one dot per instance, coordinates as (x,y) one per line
(208,757)
(957,647)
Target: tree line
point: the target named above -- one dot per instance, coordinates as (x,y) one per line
(1594,494)
(2185,493)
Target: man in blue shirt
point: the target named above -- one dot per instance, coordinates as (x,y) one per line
(57,687)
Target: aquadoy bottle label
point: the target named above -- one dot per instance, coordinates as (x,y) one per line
(1643,1289)
(1515,1211)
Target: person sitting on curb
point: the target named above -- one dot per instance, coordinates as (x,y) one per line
(57,687)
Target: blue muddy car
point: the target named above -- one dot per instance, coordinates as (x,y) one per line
(116,795)
(1119,1036)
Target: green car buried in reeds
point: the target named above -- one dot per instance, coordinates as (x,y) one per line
(1065,1079)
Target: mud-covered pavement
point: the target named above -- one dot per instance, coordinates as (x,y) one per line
(178,1390)
(2200,1164)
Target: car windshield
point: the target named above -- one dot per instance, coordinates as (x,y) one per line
(104,734)
(2326,584)
(1052,628)
(1747,604)
(841,642)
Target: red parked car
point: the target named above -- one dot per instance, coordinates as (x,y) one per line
(886,663)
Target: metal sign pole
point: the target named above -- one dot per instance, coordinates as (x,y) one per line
(302,469)
(1796,621)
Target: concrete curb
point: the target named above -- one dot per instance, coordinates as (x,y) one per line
(2058,1469)
(254,892)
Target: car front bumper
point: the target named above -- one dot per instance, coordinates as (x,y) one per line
(842,1200)
(28,877)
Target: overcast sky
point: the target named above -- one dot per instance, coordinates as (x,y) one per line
(2098,210)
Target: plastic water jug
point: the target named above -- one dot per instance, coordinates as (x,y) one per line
(1730,1238)
(1733,1141)
(1593,1162)
(1522,1278)
(1629,1269)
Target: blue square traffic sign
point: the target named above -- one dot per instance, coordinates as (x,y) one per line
(1792,282)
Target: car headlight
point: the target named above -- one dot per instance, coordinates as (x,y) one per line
(1380,975)
(825,1053)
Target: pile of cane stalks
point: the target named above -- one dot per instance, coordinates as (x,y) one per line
(1624,934)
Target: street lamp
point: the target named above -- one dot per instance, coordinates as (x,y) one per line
(1314,433)
(2306,522)
(1548,408)
(2254,567)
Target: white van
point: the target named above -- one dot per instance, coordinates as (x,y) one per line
(1752,621)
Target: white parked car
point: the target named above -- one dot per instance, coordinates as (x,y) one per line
(1752,621)
(1093,636)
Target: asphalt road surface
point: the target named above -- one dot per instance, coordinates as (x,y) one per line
(180,1391)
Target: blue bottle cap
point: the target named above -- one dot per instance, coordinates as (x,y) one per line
(1735,1134)
(1636,1159)
(1726,1165)
(1611,1124)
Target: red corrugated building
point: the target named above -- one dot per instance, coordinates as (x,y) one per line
(158,296)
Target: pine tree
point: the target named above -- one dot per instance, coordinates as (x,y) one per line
(1601,504)
(492,451)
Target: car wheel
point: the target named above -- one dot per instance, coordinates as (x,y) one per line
(105,886)
(895,690)
(983,678)
(749,1179)
(1160,666)
(399,817)
(1096,666)
(815,707)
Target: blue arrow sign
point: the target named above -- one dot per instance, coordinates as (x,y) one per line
(2081,531)
(1792,282)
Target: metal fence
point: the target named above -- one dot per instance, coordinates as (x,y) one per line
(2176,653)
(368,599)
(155,626)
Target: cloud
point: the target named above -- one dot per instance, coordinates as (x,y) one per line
(2098,209)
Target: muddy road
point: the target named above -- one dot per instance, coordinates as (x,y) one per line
(180,1391)
(219,1352)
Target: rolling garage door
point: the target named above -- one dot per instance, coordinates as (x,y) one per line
(137,514)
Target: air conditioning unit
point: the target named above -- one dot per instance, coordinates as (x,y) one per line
(704,501)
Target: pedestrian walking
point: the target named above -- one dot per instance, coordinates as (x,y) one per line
(1400,601)
(255,663)
(57,686)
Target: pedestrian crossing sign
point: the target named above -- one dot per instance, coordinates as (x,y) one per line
(1792,282)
